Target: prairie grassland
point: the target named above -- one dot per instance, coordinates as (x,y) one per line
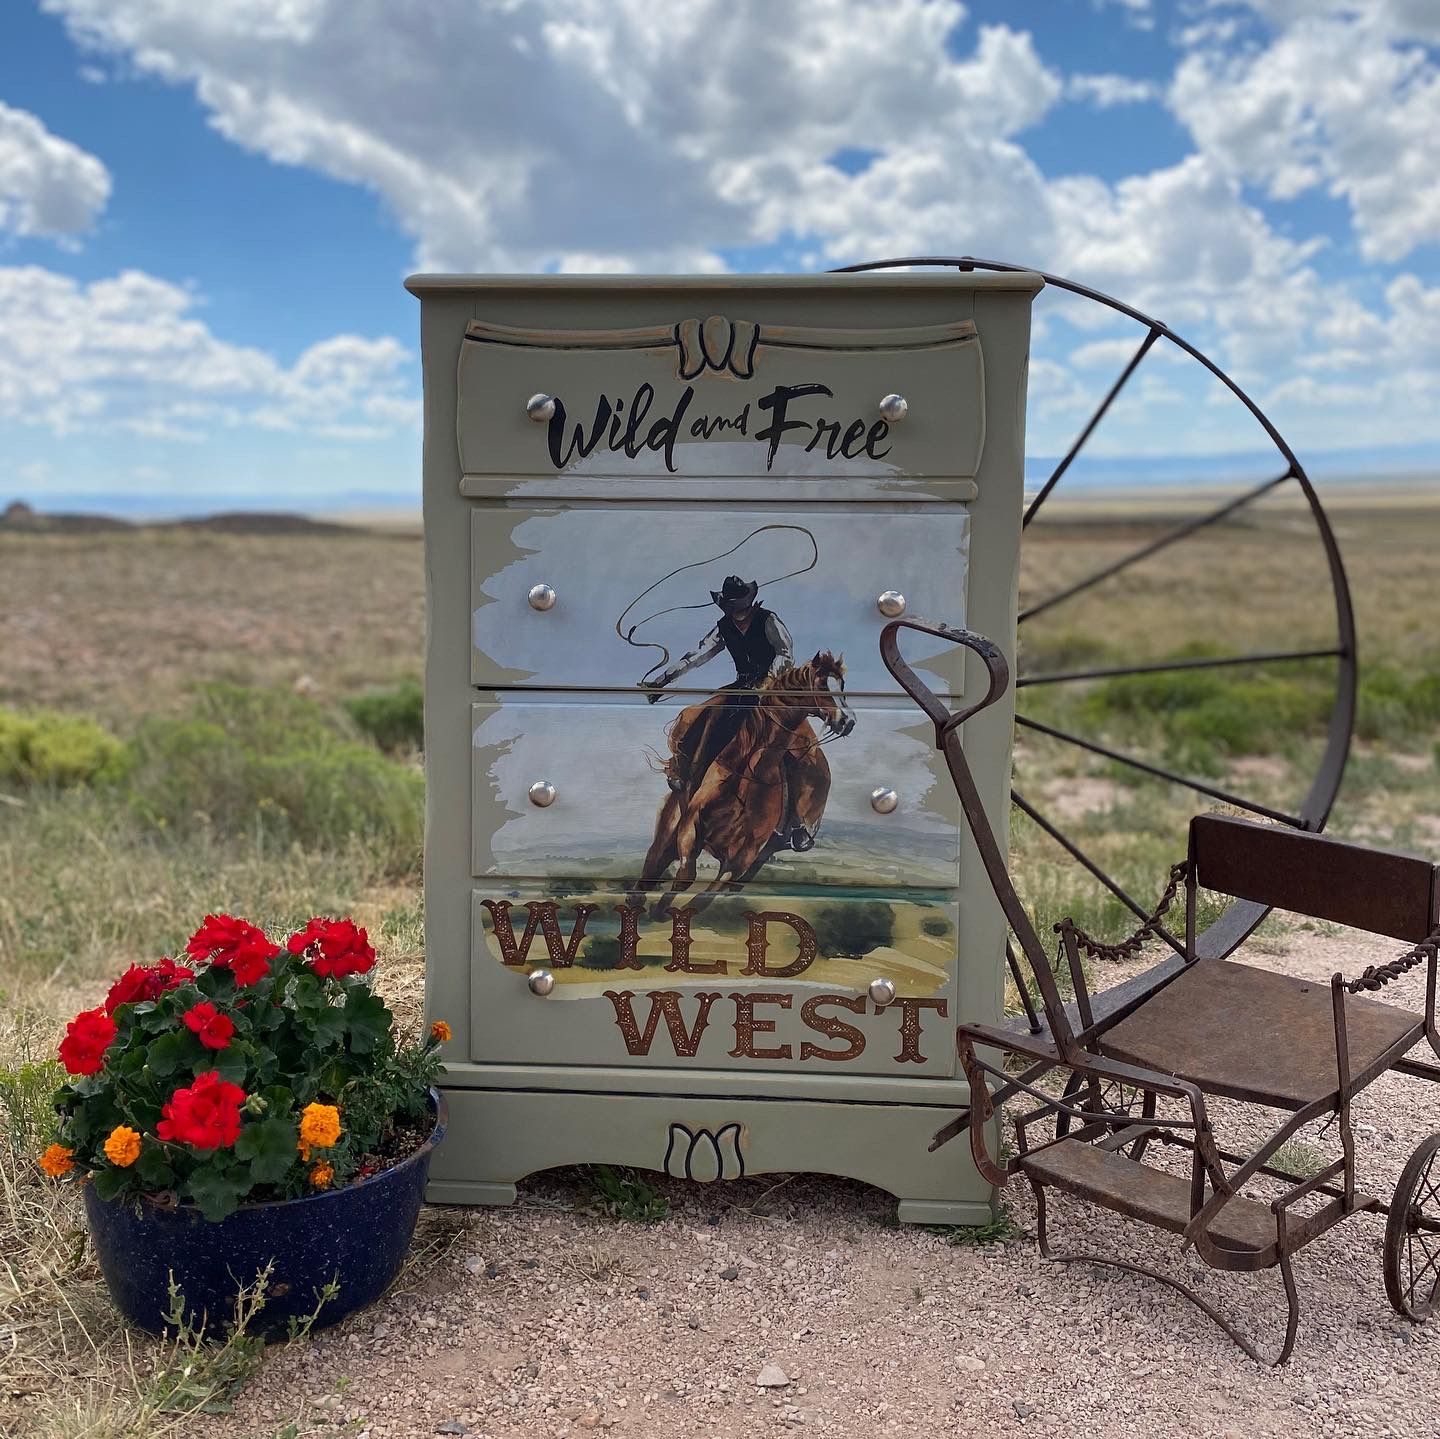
(313,808)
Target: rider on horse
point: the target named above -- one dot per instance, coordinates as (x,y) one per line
(760,646)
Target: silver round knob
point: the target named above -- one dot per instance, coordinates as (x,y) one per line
(883,801)
(541,597)
(541,408)
(894,408)
(882,991)
(542,793)
(890,603)
(541,982)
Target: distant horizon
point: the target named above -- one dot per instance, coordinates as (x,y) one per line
(1402,467)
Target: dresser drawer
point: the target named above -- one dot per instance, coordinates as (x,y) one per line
(743,981)
(609,803)
(722,398)
(650,573)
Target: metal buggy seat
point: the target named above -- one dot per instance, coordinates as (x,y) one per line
(1198,1027)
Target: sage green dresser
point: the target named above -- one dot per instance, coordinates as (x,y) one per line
(698,897)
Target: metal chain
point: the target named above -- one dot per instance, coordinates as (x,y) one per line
(1376,976)
(1125,948)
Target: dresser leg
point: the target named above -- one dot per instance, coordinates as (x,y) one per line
(460,1191)
(933,1211)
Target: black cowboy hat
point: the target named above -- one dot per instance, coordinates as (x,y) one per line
(735,594)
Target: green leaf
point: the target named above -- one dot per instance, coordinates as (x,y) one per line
(328,1027)
(367,1020)
(110,1183)
(154,1169)
(268,1148)
(231,1063)
(217,1192)
(166,1054)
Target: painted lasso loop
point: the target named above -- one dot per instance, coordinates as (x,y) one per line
(664,660)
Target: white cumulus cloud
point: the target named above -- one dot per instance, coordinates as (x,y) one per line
(48,187)
(129,353)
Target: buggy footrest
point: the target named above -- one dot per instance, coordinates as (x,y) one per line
(1140,1192)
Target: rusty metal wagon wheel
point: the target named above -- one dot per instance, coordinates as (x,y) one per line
(1412,1235)
(1128,1104)
(1334,652)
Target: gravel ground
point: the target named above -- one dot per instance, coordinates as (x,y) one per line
(778,1304)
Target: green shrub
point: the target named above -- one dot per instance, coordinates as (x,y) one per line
(394,718)
(602,951)
(27,1109)
(848,931)
(1391,704)
(44,748)
(1200,718)
(236,766)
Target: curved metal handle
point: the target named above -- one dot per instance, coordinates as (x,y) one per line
(920,692)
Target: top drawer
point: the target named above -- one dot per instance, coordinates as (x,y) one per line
(721,407)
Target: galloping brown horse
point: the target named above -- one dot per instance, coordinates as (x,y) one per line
(736,810)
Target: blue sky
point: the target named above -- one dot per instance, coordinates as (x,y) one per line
(206,211)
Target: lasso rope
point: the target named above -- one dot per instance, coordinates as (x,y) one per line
(629,635)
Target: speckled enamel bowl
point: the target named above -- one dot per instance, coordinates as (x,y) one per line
(358,1234)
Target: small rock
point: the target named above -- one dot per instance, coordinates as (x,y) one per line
(492,1271)
(731,1273)
(454,1426)
(772,1376)
(1023,1410)
(475,1264)
(969,1363)
(642,1293)
(380,1330)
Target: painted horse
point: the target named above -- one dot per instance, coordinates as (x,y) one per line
(772,768)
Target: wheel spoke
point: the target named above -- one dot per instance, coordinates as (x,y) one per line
(1155,546)
(1166,666)
(1084,435)
(1078,854)
(1199,786)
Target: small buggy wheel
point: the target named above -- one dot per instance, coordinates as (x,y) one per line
(1412,1235)
(1126,1102)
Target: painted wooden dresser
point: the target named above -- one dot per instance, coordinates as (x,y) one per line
(698,898)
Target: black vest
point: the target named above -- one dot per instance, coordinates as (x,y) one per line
(752,651)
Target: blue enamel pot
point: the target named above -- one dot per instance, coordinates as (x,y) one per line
(357,1235)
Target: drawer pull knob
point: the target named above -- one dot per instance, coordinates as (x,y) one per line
(882,991)
(541,597)
(541,982)
(890,603)
(541,408)
(542,793)
(893,408)
(883,801)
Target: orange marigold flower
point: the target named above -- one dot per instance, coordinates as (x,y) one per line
(440,1032)
(122,1149)
(57,1160)
(319,1125)
(322,1175)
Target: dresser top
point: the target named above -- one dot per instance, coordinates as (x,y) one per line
(1026,281)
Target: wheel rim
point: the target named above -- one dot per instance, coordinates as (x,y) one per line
(1412,1235)
(1230,924)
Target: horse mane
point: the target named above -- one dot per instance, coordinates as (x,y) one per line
(807,678)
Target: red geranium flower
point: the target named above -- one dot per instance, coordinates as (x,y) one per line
(213,1028)
(233,944)
(337,948)
(146,981)
(205,1116)
(87,1037)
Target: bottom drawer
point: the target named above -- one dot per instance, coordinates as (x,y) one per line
(746,981)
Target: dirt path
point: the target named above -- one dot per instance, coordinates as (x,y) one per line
(542,1321)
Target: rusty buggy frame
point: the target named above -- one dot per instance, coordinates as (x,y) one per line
(1198,1027)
